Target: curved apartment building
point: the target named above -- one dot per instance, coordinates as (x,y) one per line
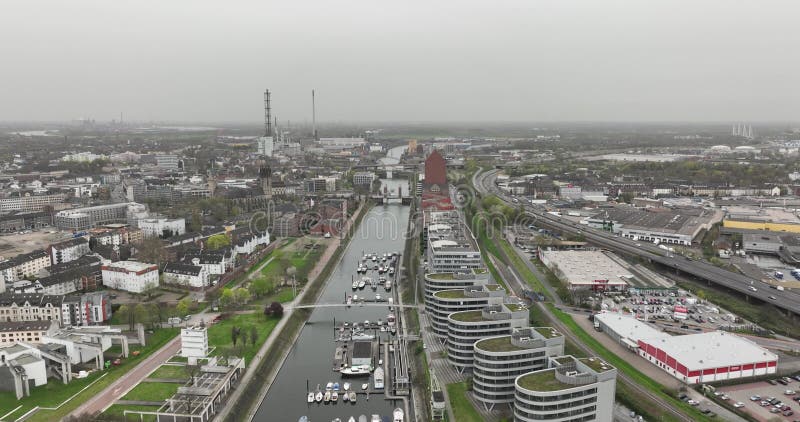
(435,282)
(500,360)
(570,389)
(445,302)
(466,327)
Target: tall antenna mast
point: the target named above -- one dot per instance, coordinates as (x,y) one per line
(267,117)
(314,115)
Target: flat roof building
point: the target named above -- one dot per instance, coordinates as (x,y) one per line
(500,360)
(570,389)
(583,269)
(445,302)
(672,226)
(467,327)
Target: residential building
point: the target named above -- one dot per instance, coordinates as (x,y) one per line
(162,227)
(88,217)
(30,203)
(27,331)
(131,276)
(30,307)
(68,250)
(444,302)
(194,342)
(452,248)
(500,360)
(22,266)
(570,389)
(87,309)
(186,275)
(467,327)
(214,262)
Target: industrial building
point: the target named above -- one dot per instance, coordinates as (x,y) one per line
(692,358)
(761,218)
(665,225)
(467,327)
(585,269)
(762,243)
(500,360)
(571,389)
(445,302)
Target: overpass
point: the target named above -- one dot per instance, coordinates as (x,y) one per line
(787,300)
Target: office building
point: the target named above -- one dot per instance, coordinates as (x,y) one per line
(500,360)
(467,327)
(167,161)
(444,302)
(570,389)
(435,282)
(88,217)
(30,203)
(364,178)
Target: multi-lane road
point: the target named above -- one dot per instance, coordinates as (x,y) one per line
(789,301)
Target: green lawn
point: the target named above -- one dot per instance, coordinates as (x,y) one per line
(623,365)
(115,412)
(152,391)
(170,371)
(522,268)
(463,410)
(219,334)
(54,392)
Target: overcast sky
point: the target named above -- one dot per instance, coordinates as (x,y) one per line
(553,60)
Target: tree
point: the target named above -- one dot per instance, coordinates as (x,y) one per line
(142,314)
(125,313)
(259,287)
(274,309)
(241,296)
(226,299)
(196,223)
(152,251)
(253,335)
(148,289)
(182,308)
(235,334)
(218,241)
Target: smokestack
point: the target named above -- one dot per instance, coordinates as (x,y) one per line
(267,117)
(314,115)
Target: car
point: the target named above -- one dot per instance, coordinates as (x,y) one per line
(705,411)
(693,402)
(738,405)
(685,327)
(187,317)
(786,407)
(772,297)
(790,392)
(752,289)
(683,396)
(725,397)
(775,410)
(781,381)
(764,403)
(755,398)
(771,382)
(717,393)
(788,413)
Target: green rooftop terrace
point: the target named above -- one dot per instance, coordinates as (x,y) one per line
(498,344)
(441,276)
(450,294)
(548,332)
(494,287)
(514,307)
(467,316)
(542,381)
(596,364)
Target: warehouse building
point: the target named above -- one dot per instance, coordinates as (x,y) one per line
(692,358)
(678,226)
(582,269)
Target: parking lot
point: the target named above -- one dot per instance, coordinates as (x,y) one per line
(763,391)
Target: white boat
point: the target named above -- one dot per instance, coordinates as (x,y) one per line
(346,386)
(329,386)
(318,397)
(336,386)
(376,418)
(378,297)
(362,283)
(353,396)
(388,285)
(334,396)
(362,418)
(354,371)
(310,398)
(378,378)
(352,419)
(303,419)
(364,386)
(355,298)
(391,301)
(355,284)
(327,397)
(398,415)
(345,396)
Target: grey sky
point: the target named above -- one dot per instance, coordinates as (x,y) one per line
(401,61)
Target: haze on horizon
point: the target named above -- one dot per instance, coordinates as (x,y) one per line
(587,60)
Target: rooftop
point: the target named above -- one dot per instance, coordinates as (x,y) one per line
(441,276)
(467,316)
(498,344)
(544,380)
(712,350)
(516,307)
(548,332)
(450,294)
(596,364)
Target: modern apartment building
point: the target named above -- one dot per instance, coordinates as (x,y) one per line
(450,244)
(21,266)
(500,360)
(68,250)
(131,276)
(88,217)
(467,327)
(570,389)
(30,203)
(445,302)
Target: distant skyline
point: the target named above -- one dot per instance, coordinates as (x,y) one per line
(416,61)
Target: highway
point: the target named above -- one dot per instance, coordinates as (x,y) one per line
(787,300)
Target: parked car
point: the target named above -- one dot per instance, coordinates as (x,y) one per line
(738,405)
(755,398)
(693,402)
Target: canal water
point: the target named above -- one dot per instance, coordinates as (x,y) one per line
(311,359)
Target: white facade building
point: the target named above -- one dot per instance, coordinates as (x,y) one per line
(194,342)
(157,227)
(131,276)
(68,250)
(194,276)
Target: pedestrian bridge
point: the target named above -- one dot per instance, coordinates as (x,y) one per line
(354,305)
